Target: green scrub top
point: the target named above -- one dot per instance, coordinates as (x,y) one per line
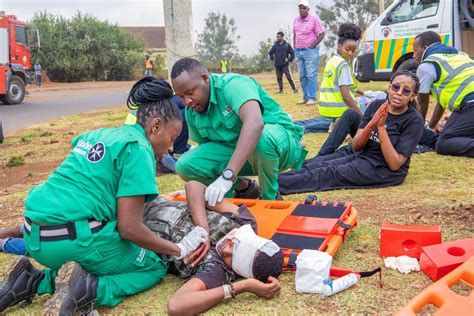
(104,164)
(221,121)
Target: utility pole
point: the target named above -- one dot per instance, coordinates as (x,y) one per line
(381,6)
(178,30)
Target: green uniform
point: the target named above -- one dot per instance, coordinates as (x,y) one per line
(218,129)
(331,101)
(104,165)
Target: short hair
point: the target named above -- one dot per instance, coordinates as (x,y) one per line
(429,37)
(152,97)
(265,266)
(185,64)
(348,31)
(281,34)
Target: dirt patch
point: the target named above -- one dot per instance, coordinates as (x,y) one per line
(26,174)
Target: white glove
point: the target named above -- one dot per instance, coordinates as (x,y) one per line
(192,240)
(404,264)
(216,191)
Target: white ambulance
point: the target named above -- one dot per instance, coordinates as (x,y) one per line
(388,41)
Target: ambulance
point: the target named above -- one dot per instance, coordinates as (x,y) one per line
(388,41)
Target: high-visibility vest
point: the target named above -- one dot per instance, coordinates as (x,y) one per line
(131,118)
(223,66)
(148,64)
(331,102)
(455,81)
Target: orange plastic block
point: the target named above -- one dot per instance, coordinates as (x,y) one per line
(399,240)
(442,297)
(438,260)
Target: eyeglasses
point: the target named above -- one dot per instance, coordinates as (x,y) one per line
(405,91)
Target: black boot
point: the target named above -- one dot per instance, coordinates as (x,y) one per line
(19,283)
(76,290)
(253,191)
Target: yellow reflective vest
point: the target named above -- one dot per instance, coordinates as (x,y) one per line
(455,81)
(331,102)
(131,118)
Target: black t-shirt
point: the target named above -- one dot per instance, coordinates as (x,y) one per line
(404,131)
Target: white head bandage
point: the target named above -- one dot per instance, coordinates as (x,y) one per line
(246,245)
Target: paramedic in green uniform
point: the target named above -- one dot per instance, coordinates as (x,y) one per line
(85,222)
(240,130)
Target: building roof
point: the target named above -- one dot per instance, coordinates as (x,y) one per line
(154,36)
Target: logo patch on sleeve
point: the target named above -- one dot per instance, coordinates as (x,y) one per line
(96,153)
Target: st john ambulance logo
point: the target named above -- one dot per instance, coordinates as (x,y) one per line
(96,153)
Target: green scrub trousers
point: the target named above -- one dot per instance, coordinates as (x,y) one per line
(277,150)
(122,268)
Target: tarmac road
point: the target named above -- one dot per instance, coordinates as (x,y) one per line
(42,106)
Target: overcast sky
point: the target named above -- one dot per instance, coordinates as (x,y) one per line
(256,20)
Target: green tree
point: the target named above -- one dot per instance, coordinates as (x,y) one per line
(263,62)
(217,40)
(83,48)
(360,12)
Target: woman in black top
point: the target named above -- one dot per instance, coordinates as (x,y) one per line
(386,138)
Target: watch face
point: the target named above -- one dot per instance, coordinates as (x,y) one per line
(228,174)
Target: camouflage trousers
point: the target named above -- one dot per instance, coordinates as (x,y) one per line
(172,221)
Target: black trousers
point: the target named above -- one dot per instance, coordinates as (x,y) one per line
(348,123)
(457,137)
(280,70)
(340,170)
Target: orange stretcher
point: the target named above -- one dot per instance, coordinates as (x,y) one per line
(295,226)
(440,294)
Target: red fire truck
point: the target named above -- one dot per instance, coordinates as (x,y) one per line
(16,41)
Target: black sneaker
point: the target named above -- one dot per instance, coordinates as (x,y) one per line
(253,191)
(76,290)
(19,283)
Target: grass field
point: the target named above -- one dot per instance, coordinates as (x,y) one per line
(438,190)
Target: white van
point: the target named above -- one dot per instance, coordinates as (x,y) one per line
(388,41)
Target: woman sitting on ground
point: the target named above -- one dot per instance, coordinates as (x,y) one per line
(385,140)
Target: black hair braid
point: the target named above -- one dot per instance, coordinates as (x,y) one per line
(348,31)
(265,266)
(415,78)
(185,64)
(151,97)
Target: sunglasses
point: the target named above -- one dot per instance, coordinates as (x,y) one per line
(405,91)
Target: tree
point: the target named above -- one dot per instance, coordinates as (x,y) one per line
(217,40)
(83,48)
(360,12)
(263,62)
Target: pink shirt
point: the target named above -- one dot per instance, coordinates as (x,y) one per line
(306,30)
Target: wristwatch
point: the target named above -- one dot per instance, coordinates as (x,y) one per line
(227,293)
(228,174)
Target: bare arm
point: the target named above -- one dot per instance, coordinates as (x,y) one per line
(130,226)
(437,114)
(317,40)
(252,127)
(360,139)
(349,100)
(194,297)
(423,100)
(393,159)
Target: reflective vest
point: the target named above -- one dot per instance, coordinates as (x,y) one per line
(456,79)
(131,118)
(148,64)
(331,102)
(223,66)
